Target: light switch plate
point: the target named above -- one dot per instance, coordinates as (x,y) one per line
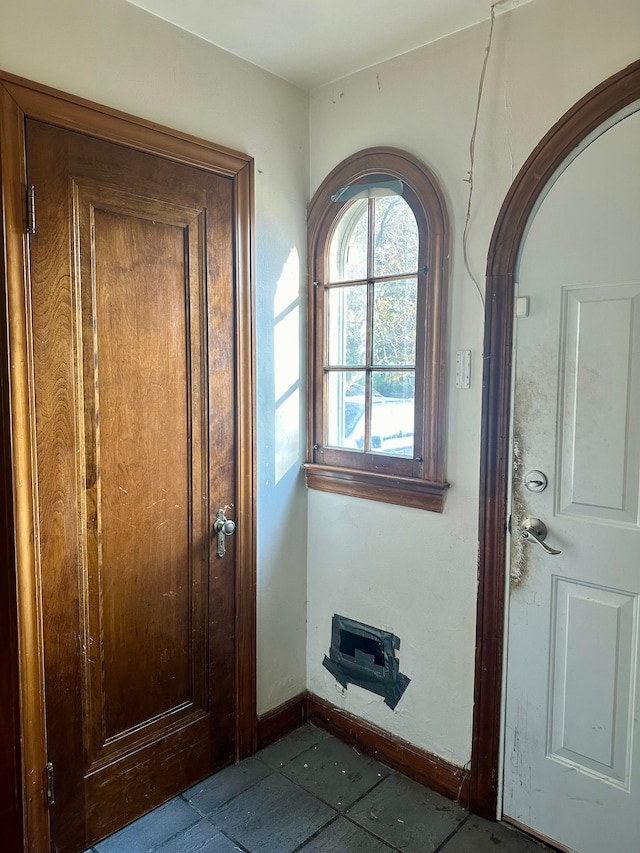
(463,368)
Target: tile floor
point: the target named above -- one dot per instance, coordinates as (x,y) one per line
(310,793)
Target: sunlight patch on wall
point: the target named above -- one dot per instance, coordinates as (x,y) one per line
(287,434)
(286,366)
(286,353)
(288,287)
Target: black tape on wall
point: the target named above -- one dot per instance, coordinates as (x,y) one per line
(363,655)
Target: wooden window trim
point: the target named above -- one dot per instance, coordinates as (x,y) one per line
(419,482)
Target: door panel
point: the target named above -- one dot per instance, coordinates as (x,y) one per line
(599,445)
(593,635)
(139,481)
(572,741)
(132,289)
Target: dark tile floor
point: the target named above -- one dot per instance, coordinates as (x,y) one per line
(310,793)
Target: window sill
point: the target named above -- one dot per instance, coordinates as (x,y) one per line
(404,491)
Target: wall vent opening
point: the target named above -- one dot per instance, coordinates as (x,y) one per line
(359,647)
(363,655)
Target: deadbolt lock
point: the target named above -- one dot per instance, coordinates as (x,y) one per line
(535,481)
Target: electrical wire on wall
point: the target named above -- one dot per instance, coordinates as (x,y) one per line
(472,151)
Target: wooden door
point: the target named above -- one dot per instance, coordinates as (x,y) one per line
(134,376)
(572,740)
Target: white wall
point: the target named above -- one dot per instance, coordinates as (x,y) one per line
(410,571)
(118,55)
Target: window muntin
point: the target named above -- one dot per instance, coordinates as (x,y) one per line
(347,325)
(378,257)
(396,237)
(372,326)
(395,317)
(348,249)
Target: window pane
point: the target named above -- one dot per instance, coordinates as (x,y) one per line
(348,249)
(394,322)
(393,412)
(347,325)
(396,237)
(345,409)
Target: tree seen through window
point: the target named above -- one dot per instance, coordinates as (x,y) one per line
(372,326)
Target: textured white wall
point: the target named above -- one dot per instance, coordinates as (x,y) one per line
(407,570)
(410,571)
(118,55)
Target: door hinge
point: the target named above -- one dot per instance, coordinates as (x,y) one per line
(31,209)
(50,792)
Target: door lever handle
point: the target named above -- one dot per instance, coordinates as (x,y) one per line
(535,530)
(223,526)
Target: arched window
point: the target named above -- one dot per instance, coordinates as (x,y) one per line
(378,252)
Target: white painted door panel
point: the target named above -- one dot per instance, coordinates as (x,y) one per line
(572,739)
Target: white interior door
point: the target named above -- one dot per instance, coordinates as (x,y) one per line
(572,743)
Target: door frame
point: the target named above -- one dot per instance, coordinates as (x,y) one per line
(589,113)
(23,676)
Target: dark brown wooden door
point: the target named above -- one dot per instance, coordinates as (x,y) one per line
(133,342)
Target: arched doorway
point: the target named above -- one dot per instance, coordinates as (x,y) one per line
(570,132)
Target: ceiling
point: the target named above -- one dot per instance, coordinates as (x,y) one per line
(313,43)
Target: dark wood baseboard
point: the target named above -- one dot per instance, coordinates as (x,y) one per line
(417,764)
(284,719)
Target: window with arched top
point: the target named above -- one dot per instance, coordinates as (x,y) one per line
(378,251)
